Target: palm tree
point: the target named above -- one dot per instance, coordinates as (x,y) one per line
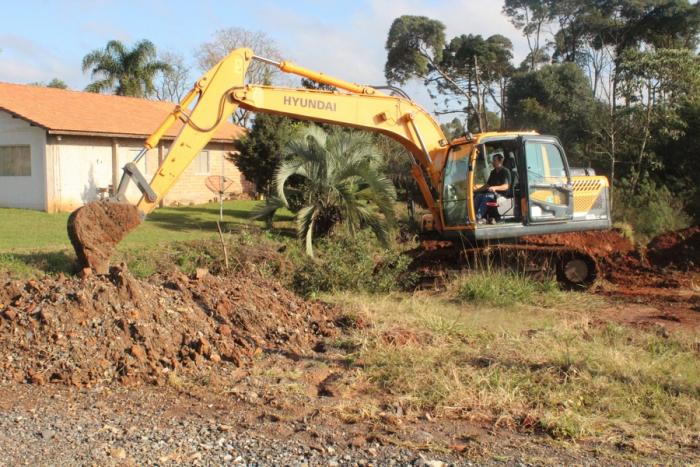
(341,185)
(132,70)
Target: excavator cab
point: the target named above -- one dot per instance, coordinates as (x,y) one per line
(543,196)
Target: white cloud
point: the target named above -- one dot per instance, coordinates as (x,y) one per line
(354,49)
(350,47)
(23,60)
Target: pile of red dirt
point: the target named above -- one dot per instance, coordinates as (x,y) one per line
(119,329)
(679,249)
(599,244)
(619,262)
(623,264)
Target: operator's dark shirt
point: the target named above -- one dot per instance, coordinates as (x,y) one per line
(499,177)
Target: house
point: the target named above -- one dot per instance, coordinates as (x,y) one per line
(60,149)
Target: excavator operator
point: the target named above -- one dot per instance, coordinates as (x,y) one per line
(498,183)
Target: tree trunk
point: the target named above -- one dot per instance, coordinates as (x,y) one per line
(479,99)
(612,164)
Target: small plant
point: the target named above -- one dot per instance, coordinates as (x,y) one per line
(625,229)
(502,288)
(355,263)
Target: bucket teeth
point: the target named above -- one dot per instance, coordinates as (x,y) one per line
(96,228)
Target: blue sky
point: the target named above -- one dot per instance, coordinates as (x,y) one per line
(41,40)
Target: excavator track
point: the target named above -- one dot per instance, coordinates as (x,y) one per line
(437,261)
(96,228)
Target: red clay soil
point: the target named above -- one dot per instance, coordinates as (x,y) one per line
(652,307)
(115,328)
(658,291)
(608,248)
(679,249)
(96,228)
(596,243)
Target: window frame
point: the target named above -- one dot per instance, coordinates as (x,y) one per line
(464,160)
(566,187)
(197,164)
(29,159)
(133,152)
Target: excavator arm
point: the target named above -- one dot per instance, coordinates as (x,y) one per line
(97,227)
(222,90)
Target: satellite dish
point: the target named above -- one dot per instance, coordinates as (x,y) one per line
(218,184)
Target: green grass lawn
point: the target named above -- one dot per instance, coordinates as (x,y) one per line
(34,241)
(24,230)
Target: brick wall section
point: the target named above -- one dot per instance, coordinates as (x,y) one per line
(191,188)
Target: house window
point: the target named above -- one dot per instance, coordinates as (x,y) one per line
(15,161)
(201,163)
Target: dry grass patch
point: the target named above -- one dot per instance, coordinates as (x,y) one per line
(532,368)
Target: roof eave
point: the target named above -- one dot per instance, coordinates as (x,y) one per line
(16,115)
(97,134)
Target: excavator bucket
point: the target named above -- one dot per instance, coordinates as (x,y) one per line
(96,228)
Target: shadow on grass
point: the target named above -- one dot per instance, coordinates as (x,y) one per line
(191,219)
(239,214)
(178,221)
(53,262)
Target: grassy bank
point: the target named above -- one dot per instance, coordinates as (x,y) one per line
(33,242)
(532,369)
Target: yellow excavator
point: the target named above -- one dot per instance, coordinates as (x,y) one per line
(545,195)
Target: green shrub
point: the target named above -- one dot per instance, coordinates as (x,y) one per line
(35,264)
(502,288)
(651,210)
(625,229)
(351,263)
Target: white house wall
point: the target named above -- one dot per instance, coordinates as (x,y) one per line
(80,165)
(83,165)
(24,192)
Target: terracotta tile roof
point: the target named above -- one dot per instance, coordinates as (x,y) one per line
(73,112)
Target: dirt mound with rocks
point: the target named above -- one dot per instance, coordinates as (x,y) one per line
(679,249)
(115,328)
(600,244)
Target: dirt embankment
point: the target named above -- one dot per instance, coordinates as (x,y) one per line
(663,276)
(670,260)
(679,249)
(598,244)
(119,329)
(655,285)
